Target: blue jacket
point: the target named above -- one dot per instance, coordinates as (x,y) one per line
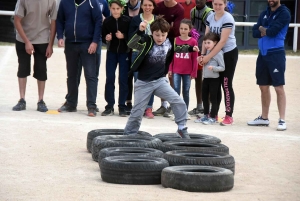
(104,7)
(79,23)
(277,24)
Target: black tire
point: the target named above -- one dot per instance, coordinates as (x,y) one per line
(197,178)
(94,147)
(99,132)
(194,146)
(217,159)
(132,169)
(194,136)
(129,151)
(125,141)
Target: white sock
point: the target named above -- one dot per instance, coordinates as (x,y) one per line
(181,126)
(165,104)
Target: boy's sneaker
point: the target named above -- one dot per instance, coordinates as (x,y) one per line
(210,121)
(281,125)
(67,108)
(128,108)
(41,106)
(148,113)
(228,120)
(21,105)
(259,121)
(122,112)
(92,112)
(183,133)
(108,112)
(168,112)
(201,119)
(160,111)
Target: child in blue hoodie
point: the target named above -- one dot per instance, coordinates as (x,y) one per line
(114,34)
(271,29)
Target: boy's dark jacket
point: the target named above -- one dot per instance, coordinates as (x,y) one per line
(112,25)
(144,43)
(277,24)
(80,23)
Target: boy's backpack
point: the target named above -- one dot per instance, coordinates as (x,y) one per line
(204,14)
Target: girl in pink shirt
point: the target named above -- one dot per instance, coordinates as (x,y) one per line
(184,65)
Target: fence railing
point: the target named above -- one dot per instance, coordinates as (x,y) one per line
(249,24)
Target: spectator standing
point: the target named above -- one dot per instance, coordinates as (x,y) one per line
(35,25)
(199,15)
(222,23)
(271,29)
(188,5)
(173,13)
(80,22)
(115,35)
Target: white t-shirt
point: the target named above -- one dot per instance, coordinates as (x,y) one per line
(226,21)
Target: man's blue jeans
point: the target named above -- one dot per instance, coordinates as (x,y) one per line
(186,84)
(112,60)
(75,52)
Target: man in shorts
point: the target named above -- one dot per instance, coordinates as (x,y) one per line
(271,30)
(35,25)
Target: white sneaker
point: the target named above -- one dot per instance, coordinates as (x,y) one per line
(259,121)
(281,125)
(201,119)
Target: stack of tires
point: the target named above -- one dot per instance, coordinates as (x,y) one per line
(199,164)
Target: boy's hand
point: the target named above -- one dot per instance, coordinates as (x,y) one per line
(119,35)
(143,25)
(210,68)
(170,73)
(29,48)
(108,37)
(61,43)
(93,48)
(192,78)
(196,49)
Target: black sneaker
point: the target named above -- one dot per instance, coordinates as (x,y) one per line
(128,108)
(122,112)
(67,108)
(108,112)
(41,106)
(92,112)
(168,112)
(183,133)
(21,105)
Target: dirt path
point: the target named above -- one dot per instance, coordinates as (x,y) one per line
(44,157)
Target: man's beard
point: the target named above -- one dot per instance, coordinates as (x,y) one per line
(275,4)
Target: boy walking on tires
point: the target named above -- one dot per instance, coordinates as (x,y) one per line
(155,54)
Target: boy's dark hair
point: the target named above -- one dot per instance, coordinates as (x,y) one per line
(212,36)
(153,2)
(118,2)
(160,24)
(187,22)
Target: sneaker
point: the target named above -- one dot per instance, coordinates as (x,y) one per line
(188,117)
(97,109)
(210,121)
(92,112)
(196,111)
(21,105)
(281,125)
(128,108)
(108,112)
(168,112)
(201,119)
(41,106)
(122,112)
(160,112)
(228,120)
(259,121)
(148,113)
(183,133)
(67,108)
